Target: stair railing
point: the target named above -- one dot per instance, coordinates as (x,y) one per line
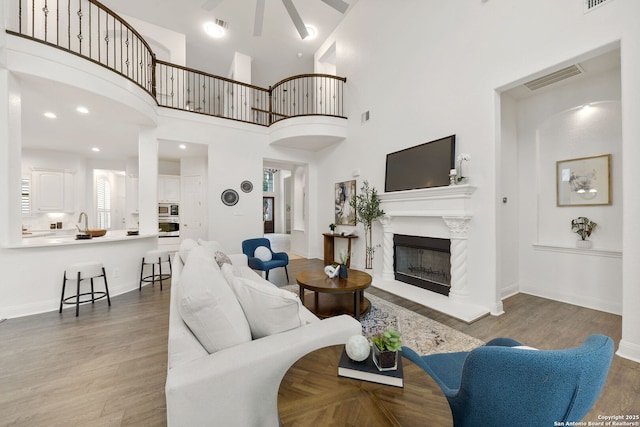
(91,30)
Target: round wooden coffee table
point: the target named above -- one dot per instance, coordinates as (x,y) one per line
(312,394)
(335,296)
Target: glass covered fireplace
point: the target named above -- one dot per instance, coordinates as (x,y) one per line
(423,261)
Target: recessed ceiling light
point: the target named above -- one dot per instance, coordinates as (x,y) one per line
(182,146)
(215,29)
(95,149)
(82,110)
(312,33)
(49,115)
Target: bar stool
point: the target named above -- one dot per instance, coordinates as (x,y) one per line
(79,272)
(157,256)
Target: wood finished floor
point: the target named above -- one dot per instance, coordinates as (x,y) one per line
(108,366)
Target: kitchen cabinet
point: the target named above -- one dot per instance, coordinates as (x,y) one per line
(168,189)
(52,191)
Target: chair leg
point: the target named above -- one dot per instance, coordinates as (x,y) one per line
(141,273)
(64,283)
(266,275)
(160,270)
(78,296)
(93,298)
(106,286)
(287,273)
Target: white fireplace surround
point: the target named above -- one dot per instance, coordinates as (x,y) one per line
(443,212)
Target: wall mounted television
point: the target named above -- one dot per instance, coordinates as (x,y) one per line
(423,166)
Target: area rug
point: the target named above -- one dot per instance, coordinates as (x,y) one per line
(423,335)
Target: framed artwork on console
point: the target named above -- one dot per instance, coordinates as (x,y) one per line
(584,181)
(344,192)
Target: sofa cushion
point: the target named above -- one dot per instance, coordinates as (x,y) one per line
(208,305)
(185,248)
(268,309)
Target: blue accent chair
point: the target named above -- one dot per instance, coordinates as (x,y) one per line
(278,259)
(498,385)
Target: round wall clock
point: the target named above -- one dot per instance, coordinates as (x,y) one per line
(229,197)
(246,186)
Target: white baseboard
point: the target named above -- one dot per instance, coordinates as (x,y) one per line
(629,351)
(54,304)
(592,303)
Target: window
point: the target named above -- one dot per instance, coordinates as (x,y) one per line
(103,195)
(267,180)
(25,192)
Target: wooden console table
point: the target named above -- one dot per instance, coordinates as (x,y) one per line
(329,247)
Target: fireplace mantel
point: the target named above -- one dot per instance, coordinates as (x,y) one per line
(453,205)
(453,200)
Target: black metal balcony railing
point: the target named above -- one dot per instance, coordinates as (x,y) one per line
(88,29)
(91,30)
(186,89)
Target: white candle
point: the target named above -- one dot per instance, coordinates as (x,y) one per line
(453,172)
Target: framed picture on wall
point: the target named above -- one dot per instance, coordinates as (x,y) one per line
(344,192)
(584,182)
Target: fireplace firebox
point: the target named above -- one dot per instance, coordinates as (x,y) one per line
(423,261)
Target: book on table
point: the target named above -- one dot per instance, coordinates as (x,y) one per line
(368,371)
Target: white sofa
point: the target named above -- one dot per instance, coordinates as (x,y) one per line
(236,385)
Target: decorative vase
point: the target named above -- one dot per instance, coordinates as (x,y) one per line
(343,274)
(385,360)
(584,244)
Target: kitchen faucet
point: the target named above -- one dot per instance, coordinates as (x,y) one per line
(86,222)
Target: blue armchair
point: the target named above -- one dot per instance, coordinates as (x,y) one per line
(499,385)
(278,259)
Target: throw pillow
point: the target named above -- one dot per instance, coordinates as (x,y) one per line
(222,258)
(208,305)
(263,253)
(185,248)
(268,309)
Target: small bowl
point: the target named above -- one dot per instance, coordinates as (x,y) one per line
(96,232)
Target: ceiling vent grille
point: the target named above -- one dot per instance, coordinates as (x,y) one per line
(589,5)
(554,77)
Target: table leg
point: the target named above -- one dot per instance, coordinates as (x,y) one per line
(356,305)
(316,302)
(302,295)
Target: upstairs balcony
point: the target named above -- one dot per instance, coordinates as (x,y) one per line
(309,106)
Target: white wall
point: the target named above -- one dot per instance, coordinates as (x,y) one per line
(236,153)
(424,77)
(168,45)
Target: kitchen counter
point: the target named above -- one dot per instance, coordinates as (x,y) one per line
(60,240)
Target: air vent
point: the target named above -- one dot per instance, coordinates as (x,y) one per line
(554,77)
(589,5)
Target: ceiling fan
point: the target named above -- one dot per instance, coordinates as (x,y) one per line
(339,5)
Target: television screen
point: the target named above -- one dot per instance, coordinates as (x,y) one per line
(423,166)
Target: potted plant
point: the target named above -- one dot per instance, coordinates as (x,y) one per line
(366,206)
(583,227)
(332,227)
(385,349)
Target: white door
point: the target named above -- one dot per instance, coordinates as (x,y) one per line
(191,208)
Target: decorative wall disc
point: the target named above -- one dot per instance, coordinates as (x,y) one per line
(246,186)
(229,197)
